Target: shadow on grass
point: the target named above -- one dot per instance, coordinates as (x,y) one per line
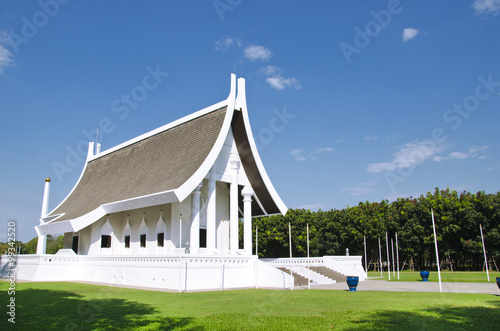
(457,318)
(63,310)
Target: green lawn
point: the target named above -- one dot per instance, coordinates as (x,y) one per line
(72,306)
(446,276)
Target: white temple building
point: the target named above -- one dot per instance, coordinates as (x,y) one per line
(163,210)
(203,168)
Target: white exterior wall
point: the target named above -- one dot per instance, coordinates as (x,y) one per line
(196,273)
(89,241)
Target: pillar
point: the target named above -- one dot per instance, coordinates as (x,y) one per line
(247,193)
(194,236)
(211,211)
(42,239)
(233,203)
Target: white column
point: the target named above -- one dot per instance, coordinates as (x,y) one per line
(233,203)
(211,210)
(194,237)
(247,194)
(42,239)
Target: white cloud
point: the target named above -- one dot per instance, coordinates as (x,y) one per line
(487,7)
(361,189)
(281,83)
(473,152)
(408,155)
(409,33)
(257,52)
(276,79)
(459,155)
(320,150)
(270,71)
(391,137)
(371,137)
(227,43)
(381,167)
(298,154)
(5,54)
(302,154)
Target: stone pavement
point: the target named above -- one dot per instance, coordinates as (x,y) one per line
(383,285)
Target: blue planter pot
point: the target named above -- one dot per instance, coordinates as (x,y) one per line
(498,282)
(425,275)
(352,282)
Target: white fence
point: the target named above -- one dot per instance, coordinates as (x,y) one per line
(174,273)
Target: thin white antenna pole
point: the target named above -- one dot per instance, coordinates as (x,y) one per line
(393,264)
(484,251)
(308,261)
(366,268)
(437,254)
(180,253)
(380,257)
(257,241)
(290,244)
(222,257)
(388,258)
(397,253)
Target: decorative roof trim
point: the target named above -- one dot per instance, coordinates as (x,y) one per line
(185,189)
(242,103)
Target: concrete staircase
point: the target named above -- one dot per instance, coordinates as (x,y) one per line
(302,274)
(337,276)
(298,279)
(315,277)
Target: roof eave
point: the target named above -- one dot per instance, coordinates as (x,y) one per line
(242,105)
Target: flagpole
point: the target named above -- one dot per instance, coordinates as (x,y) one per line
(180,253)
(380,258)
(484,251)
(437,254)
(388,258)
(257,241)
(290,244)
(397,253)
(393,264)
(366,268)
(308,261)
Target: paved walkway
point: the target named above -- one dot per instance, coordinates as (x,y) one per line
(367,285)
(383,285)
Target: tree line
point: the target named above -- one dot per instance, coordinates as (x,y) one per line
(53,245)
(457,216)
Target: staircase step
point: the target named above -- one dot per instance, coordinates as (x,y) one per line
(298,279)
(325,271)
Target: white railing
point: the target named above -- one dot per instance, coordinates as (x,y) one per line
(302,261)
(346,265)
(179,251)
(128,260)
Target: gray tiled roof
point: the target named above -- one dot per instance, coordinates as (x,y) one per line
(158,163)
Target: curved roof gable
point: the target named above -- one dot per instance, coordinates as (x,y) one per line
(159,163)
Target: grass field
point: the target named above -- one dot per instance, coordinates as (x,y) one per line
(446,276)
(72,306)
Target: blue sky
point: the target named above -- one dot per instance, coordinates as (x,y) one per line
(378,99)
